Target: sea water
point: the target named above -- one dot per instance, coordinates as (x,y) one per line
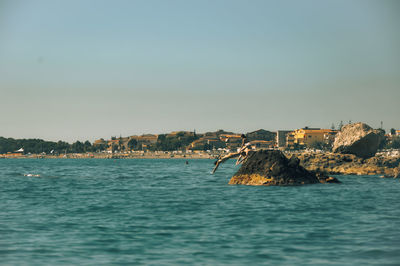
(167,212)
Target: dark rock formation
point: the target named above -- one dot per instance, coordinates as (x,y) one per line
(358,139)
(330,179)
(271,167)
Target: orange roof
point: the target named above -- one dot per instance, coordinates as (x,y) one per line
(261,141)
(315,130)
(230,136)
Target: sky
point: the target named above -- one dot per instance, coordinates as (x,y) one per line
(82,70)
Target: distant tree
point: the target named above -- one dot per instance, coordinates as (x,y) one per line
(7,145)
(114,148)
(78,147)
(62,146)
(340,125)
(121,144)
(392,131)
(161,137)
(207,147)
(30,145)
(99,147)
(170,143)
(333,126)
(87,146)
(132,143)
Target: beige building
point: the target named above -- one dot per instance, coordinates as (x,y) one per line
(281,138)
(262,144)
(232,141)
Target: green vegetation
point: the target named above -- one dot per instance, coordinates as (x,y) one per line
(39,146)
(178,141)
(133,144)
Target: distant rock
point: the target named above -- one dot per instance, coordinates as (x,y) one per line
(272,168)
(358,139)
(349,164)
(396,172)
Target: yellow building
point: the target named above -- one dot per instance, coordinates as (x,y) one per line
(306,136)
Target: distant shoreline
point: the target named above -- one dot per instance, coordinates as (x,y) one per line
(144,155)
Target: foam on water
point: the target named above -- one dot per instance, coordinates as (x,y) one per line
(32,175)
(160,212)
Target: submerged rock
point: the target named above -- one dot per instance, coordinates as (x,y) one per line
(272,167)
(358,139)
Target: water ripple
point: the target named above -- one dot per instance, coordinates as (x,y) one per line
(161,212)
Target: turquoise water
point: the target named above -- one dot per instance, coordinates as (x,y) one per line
(164,212)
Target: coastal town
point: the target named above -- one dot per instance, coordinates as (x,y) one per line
(182,144)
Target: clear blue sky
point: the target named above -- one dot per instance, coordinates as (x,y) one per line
(88,69)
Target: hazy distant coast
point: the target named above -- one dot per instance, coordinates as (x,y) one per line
(317,149)
(133,155)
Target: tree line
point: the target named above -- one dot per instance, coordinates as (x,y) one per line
(40,146)
(36,146)
(164,143)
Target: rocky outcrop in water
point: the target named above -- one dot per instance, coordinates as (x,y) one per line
(358,139)
(396,172)
(349,164)
(272,168)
